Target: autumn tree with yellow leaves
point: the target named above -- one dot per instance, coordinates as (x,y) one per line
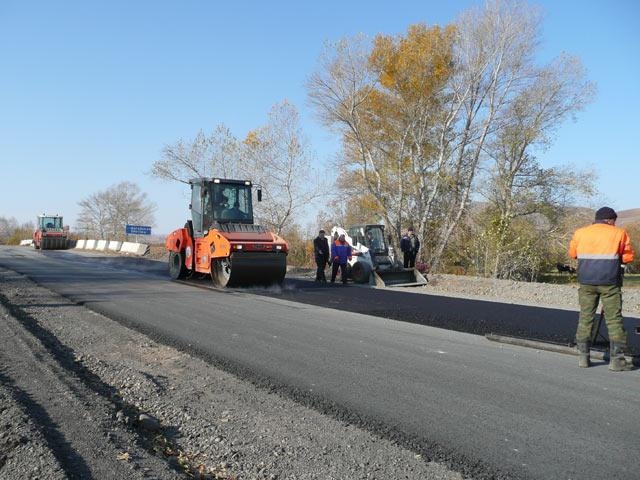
(423,115)
(386,103)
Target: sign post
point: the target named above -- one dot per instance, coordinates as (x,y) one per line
(137,230)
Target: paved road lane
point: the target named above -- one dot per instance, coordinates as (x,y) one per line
(464,315)
(488,408)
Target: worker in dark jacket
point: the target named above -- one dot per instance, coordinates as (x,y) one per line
(340,255)
(601,248)
(321,252)
(409,244)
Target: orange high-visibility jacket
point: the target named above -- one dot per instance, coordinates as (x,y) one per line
(600,249)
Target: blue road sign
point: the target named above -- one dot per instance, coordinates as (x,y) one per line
(138,230)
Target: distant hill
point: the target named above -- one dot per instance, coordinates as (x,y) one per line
(628,216)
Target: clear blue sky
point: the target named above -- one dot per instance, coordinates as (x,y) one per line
(90,92)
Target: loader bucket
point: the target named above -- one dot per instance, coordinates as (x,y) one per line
(402,277)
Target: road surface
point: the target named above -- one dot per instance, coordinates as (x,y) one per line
(494,411)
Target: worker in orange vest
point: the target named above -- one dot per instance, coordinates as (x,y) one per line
(601,249)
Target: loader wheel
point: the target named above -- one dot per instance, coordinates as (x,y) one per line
(177,269)
(221,272)
(360,272)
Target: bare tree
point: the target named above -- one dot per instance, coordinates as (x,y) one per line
(93,219)
(7,227)
(517,185)
(275,156)
(279,157)
(493,53)
(11,231)
(213,155)
(516,179)
(105,214)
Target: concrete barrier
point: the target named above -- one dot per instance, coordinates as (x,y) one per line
(26,243)
(114,246)
(127,247)
(134,248)
(143,249)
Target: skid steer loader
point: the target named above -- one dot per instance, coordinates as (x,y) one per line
(373,260)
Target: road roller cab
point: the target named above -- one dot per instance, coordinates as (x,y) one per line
(221,239)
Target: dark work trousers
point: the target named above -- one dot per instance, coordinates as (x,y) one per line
(321,261)
(611,297)
(409,259)
(343,271)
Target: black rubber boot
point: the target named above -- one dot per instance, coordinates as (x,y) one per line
(584,349)
(618,362)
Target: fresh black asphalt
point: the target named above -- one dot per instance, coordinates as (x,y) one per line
(487,410)
(478,317)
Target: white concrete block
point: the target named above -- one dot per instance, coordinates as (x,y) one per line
(81,243)
(114,246)
(127,247)
(141,249)
(26,243)
(134,248)
(90,245)
(101,245)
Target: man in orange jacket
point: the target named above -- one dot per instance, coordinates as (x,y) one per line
(601,249)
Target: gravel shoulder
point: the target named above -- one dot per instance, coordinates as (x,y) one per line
(508,291)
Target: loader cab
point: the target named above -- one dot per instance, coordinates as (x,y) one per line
(219,201)
(371,236)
